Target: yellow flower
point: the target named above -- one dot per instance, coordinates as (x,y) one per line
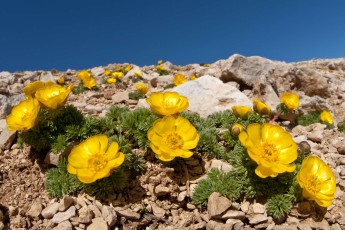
(61,80)
(84,75)
(52,95)
(93,159)
(118,68)
(31,88)
(23,116)
(111,80)
(172,136)
(117,75)
(290,100)
(179,79)
(192,77)
(317,181)
(326,117)
(89,83)
(159,62)
(168,103)
(271,147)
(138,74)
(261,107)
(160,68)
(107,72)
(236,129)
(241,111)
(128,68)
(142,88)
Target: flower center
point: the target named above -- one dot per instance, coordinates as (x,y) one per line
(269,152)
(312,184)
(173,141)
(97,162)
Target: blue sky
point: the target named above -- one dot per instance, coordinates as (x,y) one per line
(75,34)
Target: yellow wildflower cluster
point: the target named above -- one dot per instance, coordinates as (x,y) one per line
(87,79)
(179,79)
(38,94)
(171,136)
(142,88)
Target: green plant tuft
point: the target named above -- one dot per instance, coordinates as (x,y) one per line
(59,182)
(279,205)
(308,119)
(105,187)
(136,95)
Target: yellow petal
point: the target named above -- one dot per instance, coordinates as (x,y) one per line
(254,131)
(112,151)
(265,172)
(117,161)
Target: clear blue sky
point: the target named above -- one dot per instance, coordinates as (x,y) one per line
(62,34)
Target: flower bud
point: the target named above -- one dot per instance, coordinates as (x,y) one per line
(304,147)
(236,129)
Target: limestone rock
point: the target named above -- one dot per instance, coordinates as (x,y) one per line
(62,216)
(98,224)
(216,95)
(65,225)
(35,210)
(6,138)
(49,211)
(109,215)
(217,204)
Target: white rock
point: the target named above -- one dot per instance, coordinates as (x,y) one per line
(62,216)
(259,208)
(217,204)
(120,97)
(208,95)
(64,225)
(98,224)
(109,215)
(50,210)
(35,209)
(257,219)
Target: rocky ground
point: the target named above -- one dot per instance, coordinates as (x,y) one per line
(160,198)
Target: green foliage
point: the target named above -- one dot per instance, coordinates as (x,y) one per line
(134,162)
(136,79)
(308,119)
(279,205)
(209,135)
(135,125)
(105,187)
(224,119)
(136,95)
(79,89)
(115,112)
(341,126)
(52,124)
(169,86)
(216,181)
(162,72)
(59,182)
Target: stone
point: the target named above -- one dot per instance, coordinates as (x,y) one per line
(181,196)
(311,82)
(257,219)
(98,224)
(35,209)
(109,215)
(120,97)
(52,158)
(49,211)
(157,211)
(245,206)
(127,213)
(64,225)
(85,215)
(234,214)
(95,210)
(97,71)
(161,190)
(217,204)
(65,203)
(6,138)
(236,224)
(219,96)
(213,225)
(218,164)
(62,216)
(259,208)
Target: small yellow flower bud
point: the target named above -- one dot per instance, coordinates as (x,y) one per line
(236,129)
(304,147)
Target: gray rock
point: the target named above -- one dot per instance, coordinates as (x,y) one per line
(97,71)
(7,138)
(157,211)
(218,96)
(85,215)
(52,158)
(98,224)
(217,204)
(233,214)
(259,208)
(35,209)
(47,76)
(109,215)
(64,225)
(129,214)
(221,165)
(62,216)
(120,97)
(257,219)
(49,211)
